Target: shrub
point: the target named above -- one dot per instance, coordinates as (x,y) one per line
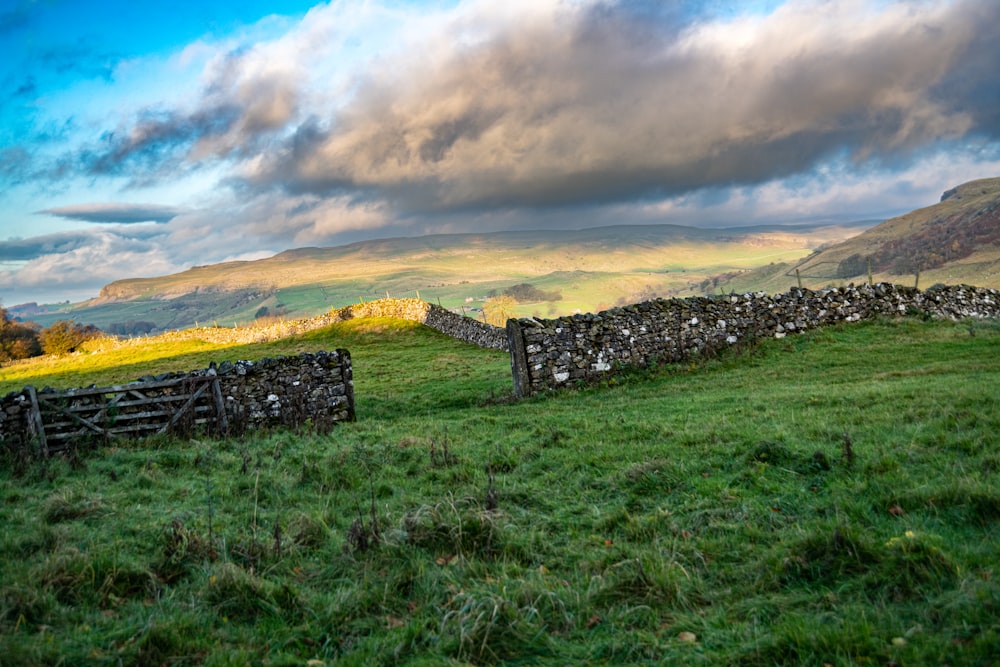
(498,310)
(65,336)
(17,341)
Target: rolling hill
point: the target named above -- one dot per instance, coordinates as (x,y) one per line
(954,241)
(588,269)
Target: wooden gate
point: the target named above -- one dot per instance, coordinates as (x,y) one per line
(58,419)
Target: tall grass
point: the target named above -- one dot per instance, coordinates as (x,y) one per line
(828,498)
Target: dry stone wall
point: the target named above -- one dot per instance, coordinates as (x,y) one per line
(443,320)
(315,388)
(311,388)
(438,318)
(551,354)
(14,414)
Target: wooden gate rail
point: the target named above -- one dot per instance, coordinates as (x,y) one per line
(315,390)
(59,418)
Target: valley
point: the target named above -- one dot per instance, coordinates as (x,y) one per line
(591,270)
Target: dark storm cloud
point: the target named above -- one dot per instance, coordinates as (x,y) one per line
(14,250)
(973,85)
(624,101)
(575,104)
(115,213)
(156,142)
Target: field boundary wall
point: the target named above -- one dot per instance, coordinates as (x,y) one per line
(558,353)
(436,317)
(415,310)
(315,389)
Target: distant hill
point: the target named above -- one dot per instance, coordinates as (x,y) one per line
(954,241)
(588,269)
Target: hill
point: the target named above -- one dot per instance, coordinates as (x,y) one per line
(582,270)
(954,241)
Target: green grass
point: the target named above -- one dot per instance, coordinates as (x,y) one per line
(827,498)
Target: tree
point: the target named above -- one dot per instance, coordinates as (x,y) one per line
(528,293)
(855,265)
(65,336)
(17,340)
(498,310)
(131,328)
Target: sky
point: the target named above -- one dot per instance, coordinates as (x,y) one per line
(142,138)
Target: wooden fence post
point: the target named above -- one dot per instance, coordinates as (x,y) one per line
(220,407)
(35,422)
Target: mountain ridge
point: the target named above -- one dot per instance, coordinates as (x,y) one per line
(587,269)
(388,250)
(954,240)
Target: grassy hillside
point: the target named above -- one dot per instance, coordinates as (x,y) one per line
(952,242)
(591,269)
(790,506)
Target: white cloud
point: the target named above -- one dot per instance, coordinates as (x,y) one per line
(80,272)
(368,118)
(837,191)
(572,104)
(115,212)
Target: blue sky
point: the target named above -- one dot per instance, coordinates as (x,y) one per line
(141,138)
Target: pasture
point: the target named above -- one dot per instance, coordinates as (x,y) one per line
(828,498)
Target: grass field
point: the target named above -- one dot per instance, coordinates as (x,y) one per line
(830,498)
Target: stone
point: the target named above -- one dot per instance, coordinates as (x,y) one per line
(318,386)
(671,329)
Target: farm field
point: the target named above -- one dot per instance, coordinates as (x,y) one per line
(828,498)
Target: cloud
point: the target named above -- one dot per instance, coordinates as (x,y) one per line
(27,89)
(246,96)
(596,103)
(375,118)
(153,146)
(26,249)
(14,162)
(839,191)
(272,222)
(17,250)
(82,58)
(256,227)
(542,104)
(115,213)
(77,268)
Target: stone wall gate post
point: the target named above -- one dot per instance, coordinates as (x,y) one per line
(518,359)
